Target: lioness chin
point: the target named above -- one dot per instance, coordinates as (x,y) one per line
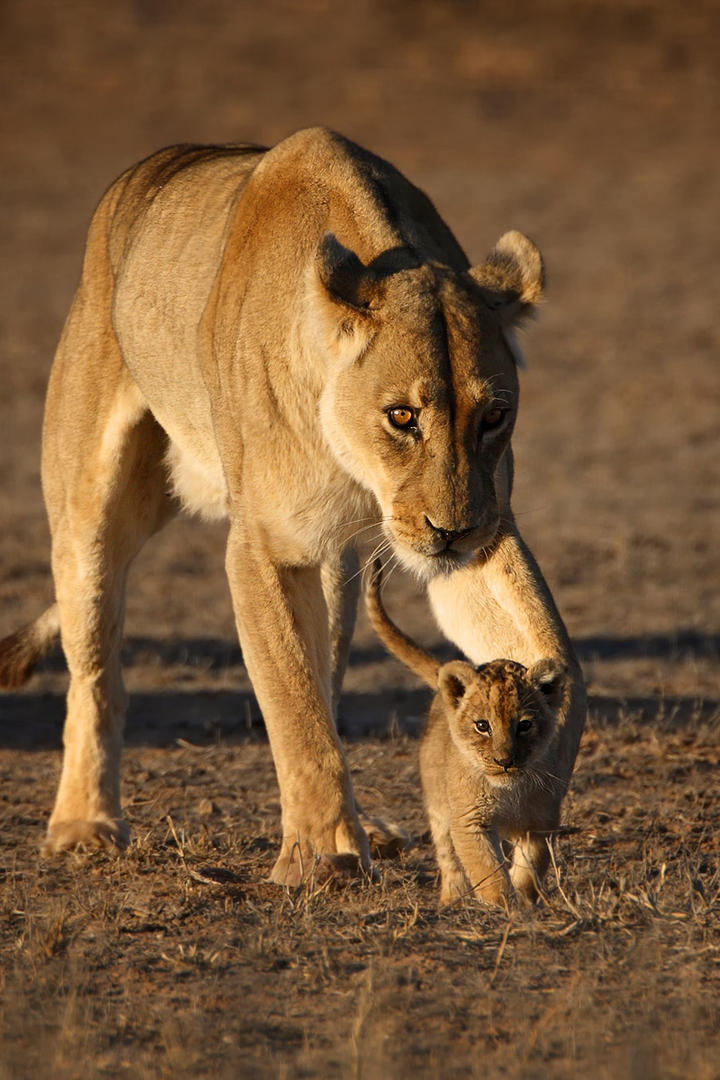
(291,339)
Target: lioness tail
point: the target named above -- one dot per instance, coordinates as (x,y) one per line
(20,652)
(399,644)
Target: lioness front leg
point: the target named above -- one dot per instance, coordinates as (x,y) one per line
(283,627)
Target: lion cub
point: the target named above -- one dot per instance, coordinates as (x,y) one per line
(485,760)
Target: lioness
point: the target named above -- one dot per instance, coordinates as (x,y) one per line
(292,339)
(487,761)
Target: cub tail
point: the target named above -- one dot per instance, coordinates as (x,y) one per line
(398,643)
(20,652)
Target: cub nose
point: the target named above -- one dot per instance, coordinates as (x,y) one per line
(448,535)
(504,762)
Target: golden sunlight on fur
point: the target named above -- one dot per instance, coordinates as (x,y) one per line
(298,319)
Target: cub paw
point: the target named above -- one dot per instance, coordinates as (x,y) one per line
(455,887)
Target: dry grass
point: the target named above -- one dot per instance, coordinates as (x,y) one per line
(177,959)
(593,127)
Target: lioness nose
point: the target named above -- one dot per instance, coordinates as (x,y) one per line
(503,762)
(448,535)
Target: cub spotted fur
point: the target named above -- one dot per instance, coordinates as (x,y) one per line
(486,764)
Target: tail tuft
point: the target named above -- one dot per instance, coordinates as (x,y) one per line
(17,659)
(21,651)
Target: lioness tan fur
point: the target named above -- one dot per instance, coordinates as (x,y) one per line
(291,339)
(487,764)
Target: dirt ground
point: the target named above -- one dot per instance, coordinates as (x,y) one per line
(592,126)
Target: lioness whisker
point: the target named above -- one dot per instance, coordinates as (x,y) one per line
(391,566)
(530,510)
(377,552)
(365,528)
(374,520)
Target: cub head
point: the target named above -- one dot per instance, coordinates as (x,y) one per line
(501,715)
(421,389)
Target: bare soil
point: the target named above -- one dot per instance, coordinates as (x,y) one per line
(593,127)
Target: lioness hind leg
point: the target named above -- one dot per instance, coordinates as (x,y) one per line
(106,494)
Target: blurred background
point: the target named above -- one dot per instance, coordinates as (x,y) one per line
(592,126)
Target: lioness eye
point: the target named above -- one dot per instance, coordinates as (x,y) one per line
(402,417)
(482,726)
(493,418)
(523,727)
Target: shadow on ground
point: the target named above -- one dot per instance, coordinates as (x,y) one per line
(217,654)
(230,717)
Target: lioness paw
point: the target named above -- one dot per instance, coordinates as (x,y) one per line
(386,839)
(102,834)
(318,870)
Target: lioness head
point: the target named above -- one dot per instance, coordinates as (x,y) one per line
(502,714)
(422,391)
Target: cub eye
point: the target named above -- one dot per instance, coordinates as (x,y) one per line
(524,726)
(483,727)
(401,417)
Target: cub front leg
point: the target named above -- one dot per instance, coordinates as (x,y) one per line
(282,622)
(453,882)
(531,858)
(483,861)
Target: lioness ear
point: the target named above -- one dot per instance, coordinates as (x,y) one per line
(343,276)
(512,277)
(548,676)
(453,679)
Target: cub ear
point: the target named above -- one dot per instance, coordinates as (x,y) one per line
(343,276)
(548,676)
(512,277)
(453,680)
